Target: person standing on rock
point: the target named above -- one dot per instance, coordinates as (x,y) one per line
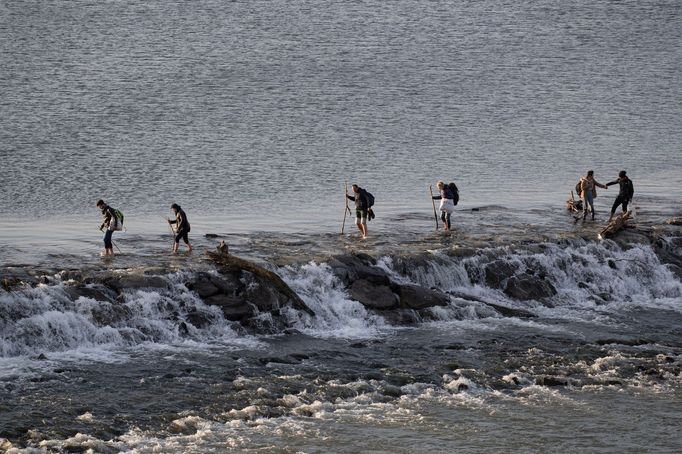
(363,202)
(627,190)
(447,204)
(588,192)
(182,228)
(112,223)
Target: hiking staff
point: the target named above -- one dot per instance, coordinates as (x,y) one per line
(116,245)
(434,205)
(347,210)
(170,226)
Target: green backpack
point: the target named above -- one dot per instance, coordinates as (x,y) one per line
(119,215)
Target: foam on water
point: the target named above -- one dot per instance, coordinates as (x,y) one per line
(336,314)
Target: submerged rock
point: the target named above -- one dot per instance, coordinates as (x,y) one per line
(373,296)
(528,287)
(417,297)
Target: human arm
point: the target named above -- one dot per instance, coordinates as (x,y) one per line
(599,185)
(611,183)
(350,197)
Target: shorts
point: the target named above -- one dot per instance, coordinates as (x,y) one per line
(361,216)
(182,235)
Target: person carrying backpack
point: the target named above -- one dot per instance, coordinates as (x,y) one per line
(447,202)
(627,190)
(588,192)
(363,206)
(182,227)
(112,221)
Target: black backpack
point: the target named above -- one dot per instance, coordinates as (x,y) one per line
(629,189)
(577,187)
(455,192)
(370,198)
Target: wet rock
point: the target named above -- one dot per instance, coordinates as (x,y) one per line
(234,308)
(350,268)
(527,287)
(549,380)
(402,317)
(135,282)
(263,288)
(510,311)
(417,297)
(497,272)
(374,296)
(204,288)
(98,293)
(198,319)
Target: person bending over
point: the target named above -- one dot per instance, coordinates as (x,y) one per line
(112,223)
(182,227)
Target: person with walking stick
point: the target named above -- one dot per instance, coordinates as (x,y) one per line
(182,228)
(447,195)
(112,221)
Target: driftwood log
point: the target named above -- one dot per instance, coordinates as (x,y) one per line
(615,225)
(574,205)
(233,263)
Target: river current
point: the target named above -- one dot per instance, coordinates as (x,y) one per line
(252,115)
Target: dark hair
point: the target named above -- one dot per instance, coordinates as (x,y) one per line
(621,173)
(590,172)
(100,202)
(175,206)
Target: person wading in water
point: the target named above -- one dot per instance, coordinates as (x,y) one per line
(112,223)
(182,227)
(362,206)
(627,190)
(588,192)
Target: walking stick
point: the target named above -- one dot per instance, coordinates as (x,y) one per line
(117,248)
(434,206)
(172,230)
(346,210)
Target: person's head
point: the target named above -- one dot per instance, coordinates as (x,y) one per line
(175,207)
(590,173)
(440,184)
(356,188)
(100,204)
(622,174)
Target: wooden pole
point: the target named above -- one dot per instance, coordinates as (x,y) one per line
(346,209)
(434,206)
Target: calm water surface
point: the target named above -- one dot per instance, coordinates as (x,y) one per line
(252,115)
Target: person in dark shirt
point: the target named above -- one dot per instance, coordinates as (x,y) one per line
(625,193)
(112,223)
(182,227)
(361,208)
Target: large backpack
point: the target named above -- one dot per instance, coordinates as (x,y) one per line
(118,215)
(578,187)
(370,199)
(454,191)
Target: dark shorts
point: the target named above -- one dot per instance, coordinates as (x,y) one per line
(182,236)
(107,239)
(360,216)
